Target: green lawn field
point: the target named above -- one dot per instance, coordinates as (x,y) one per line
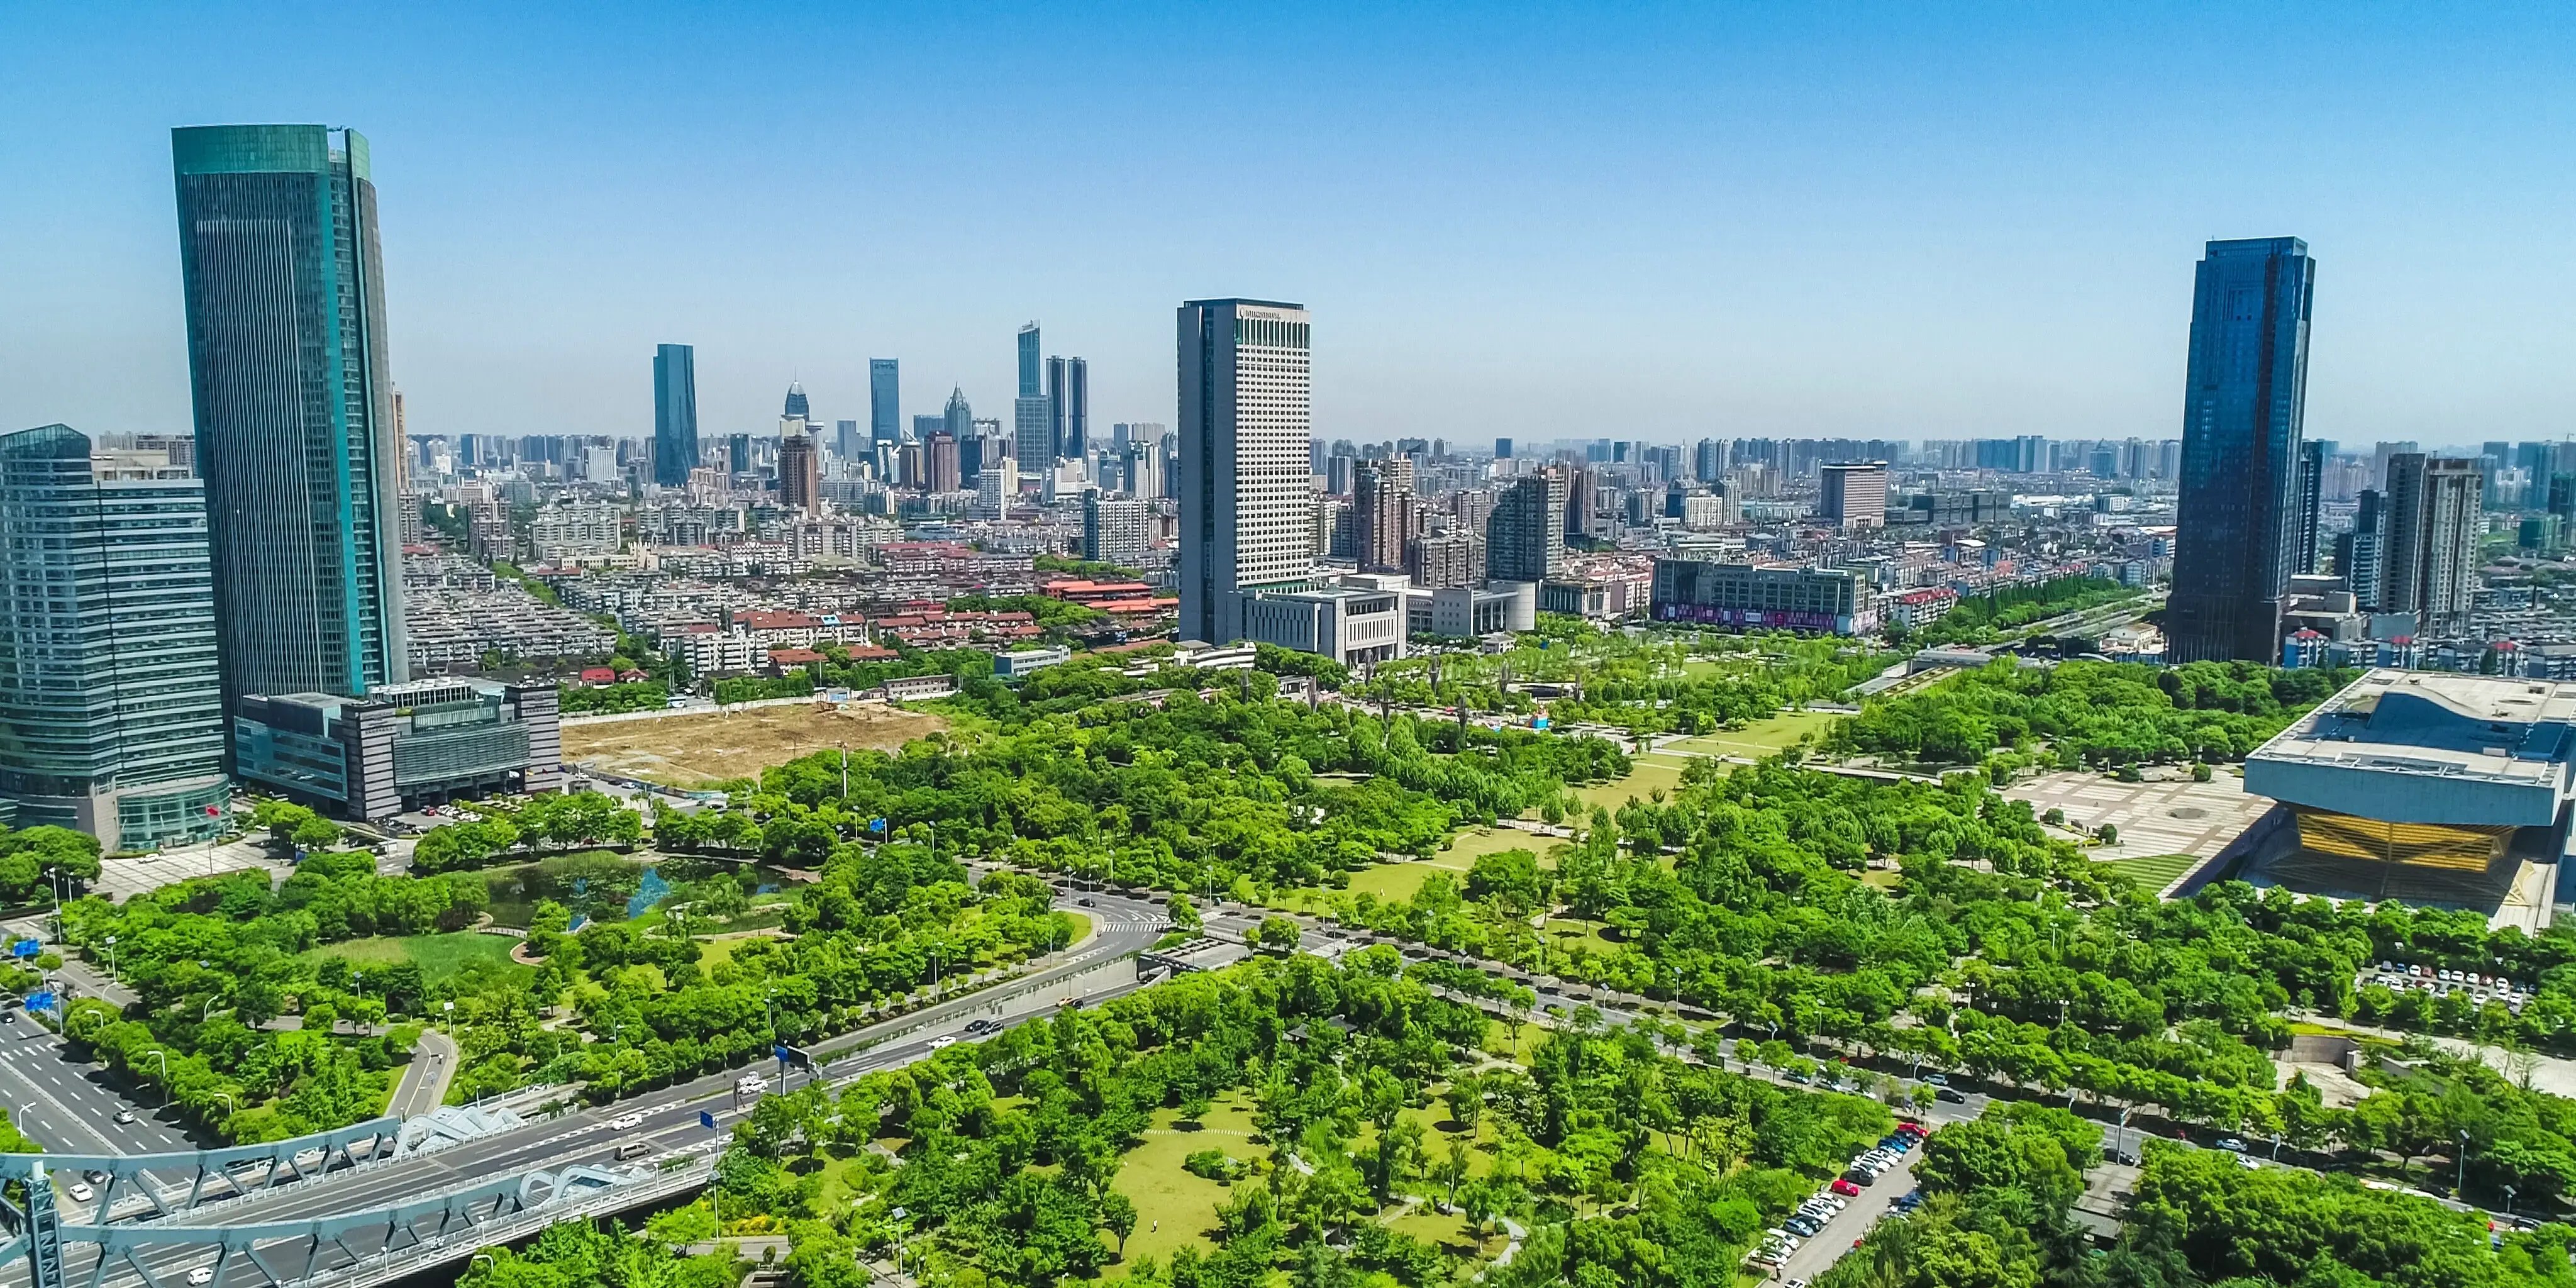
(440,957)
(2154,871)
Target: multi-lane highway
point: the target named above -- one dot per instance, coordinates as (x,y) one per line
(71,1106)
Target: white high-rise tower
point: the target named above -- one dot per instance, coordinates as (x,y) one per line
(1247,483)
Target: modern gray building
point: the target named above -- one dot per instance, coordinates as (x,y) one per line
(885,400)
(1247,488)
(294,411)
(2429,564)
(1525,536)
(2238,537)
(402,746)
(111,698)
(1069,406)
(675,414)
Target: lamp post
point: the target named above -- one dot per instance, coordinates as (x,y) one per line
(2461,1182)
(2509,1192)
(157,1054)
(111,958)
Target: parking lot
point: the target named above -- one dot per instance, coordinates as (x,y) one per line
(1838,1233)
(2437,982)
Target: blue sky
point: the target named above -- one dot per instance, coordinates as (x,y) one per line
(1629,221)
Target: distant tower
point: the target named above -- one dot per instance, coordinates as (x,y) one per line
(675,414)
(1246,484)
(1029,361)
(1069,406)
(796,407)
(885,417)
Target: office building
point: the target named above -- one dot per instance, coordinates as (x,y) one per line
(1832,600)
(1069,406)
(800,471)
(848,443)
(2313,455)
(1245,481)
(1855,495)
(1381,513)
(2430,788)
(675,414)
(885,400)
(1525,538)
(797,408)
(1502,449)
(1033,434)
(1029,362)
(1708,460)
(2238,537)
(2429,564)
(401,746)
(923,426)
(1348,624)
(111,695)
(293,404)
(941,471)
(1114,531)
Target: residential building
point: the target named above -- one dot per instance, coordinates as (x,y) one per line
(293,402)
(1382,513)
(570,531)
(1525,538)
(2429,565)
(885,405)
(401,746)
(800,470)
(111,695)
(1018,664)
(2245,392)
(675,414)
(1115,531)
(1449,559)
(940,467)
(1834,600)
(1246,484)
(2357,552)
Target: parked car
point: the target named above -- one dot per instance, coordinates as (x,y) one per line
(2232,1145)
(1937,1079)
(1844,1188)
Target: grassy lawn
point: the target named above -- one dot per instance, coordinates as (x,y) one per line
(2154,871)
(1402,880)
(1762,737)
(439,956)
(1183,1203)
(1646,773)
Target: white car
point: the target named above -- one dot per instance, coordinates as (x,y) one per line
(200,1276)
(943,1041)
(625,1121)
(81,1193)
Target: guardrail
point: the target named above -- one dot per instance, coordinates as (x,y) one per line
(388,1267)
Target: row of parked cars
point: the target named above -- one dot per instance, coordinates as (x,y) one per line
(2481,989)
(1817,1212)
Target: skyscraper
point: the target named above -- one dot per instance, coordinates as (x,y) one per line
(1708,460)
(1854,494)
(1381,513)
(286,358)
(1502,449)
(1246,487)
(2313,455)
(942,471)
(800,471)
(1029,362)
(111,697)
(1525,537)
(2429,564)
(797,408)
(957,417)
(1033,439)
(2237,538)
(885,414)
(675,414)
(2357,552)
(1069,405)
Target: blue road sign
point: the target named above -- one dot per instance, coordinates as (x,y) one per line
(876,825)
(706,1120)
(780,1051)
(40,1001)
(26,948)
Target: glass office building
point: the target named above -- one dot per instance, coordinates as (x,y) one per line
(111,710)
(294,408)
(2238,528)
(675,414)
(885,397)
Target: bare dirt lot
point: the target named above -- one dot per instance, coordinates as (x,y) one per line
(693,750)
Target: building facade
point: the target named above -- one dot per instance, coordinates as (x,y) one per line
(1245,481)
(1069,406)
(1831,600)
(402,746)
(1855,494)
(111,697)
(293,405)
(675,414)
(800,469)
(1115,531)
(885,400)
(1525,537)
(1381,513)
(2429,565)
(2245,392)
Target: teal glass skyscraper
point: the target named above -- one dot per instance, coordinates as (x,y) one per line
(294,414)
(2238,527)
(111,703)
(885,401)
(675,414)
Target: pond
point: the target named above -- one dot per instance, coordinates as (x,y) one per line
(599,886)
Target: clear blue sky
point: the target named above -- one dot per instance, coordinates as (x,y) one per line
(1903,220)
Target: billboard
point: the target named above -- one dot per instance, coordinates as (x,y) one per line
(1764,619)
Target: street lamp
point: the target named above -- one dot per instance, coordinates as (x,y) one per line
(2509,1192)
(111,958)
(157,1054)
(2461,1182)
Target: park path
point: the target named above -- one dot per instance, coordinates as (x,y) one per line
(424,1081)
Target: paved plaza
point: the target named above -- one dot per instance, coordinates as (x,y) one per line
(2154,817)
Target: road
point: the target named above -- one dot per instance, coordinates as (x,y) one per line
(424,1080)
(1095,970)
(1848,1227)
(69,1105)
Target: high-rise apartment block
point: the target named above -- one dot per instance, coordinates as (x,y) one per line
(293,403)
(885,400)
(2237,539)
(111,696)
(941,472)
(675,414)
(1382,513)
(1246,484)
(1114,531)
(1855,495)
(2429,565)
(1442,561)
(800,471)
(1525,538)
(1708,460)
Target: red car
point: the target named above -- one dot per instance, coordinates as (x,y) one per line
(1845,1188)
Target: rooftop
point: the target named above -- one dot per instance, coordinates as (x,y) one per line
(2499,729)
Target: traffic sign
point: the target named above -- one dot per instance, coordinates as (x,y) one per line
(26,948)
(706,1120)
(876,825)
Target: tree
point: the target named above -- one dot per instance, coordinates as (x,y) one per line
(1277,934)
(1118,1217)
(1185,914)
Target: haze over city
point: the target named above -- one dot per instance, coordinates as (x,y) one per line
(1656,224)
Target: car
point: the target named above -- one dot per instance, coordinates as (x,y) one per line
(8,1017)
(2248,1163)
(982,1026)
(81,1193)
(94,1176)
(624,1122)
(1082,902)
(2232,1145)
(1800,1226)
(201,1275)
(124,1116)
(1793,1282)
(1829,1199)
(943,1041)
(1844,1188)
(1946,1094)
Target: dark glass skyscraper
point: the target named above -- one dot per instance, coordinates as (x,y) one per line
(2238,532)
(1069,405)
(294,406)
(885,401)
(1029,361)
(675,414)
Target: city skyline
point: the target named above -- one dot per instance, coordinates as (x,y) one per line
(1671,287)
